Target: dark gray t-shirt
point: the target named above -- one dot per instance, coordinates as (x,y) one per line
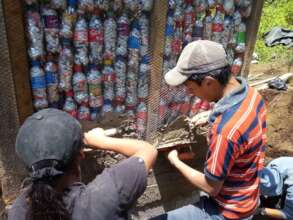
(108,196)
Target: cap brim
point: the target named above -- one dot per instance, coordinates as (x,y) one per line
(175,78)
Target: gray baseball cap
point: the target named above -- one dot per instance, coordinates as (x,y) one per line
(48,135)
(198,57)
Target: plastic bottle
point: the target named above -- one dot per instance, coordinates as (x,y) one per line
(94,80)
(120,88)
(173,112)
(108,92)
(65,65)
(147,5)
(38,83)
(83,113)
(171,4)
(132,5)
(218,25)
(80,87)
(35,33)
(229,7)
(143,79)
(123,33)
(51,27)
(163,110)
(102,4)
(198,29)
(200,5)
(236,66)
(189,19)
(134,45)
(208,23)
(117,6)
(177,42)
(185,105)
(169,35)
(51,75)
(81,42)
(85,6)
(144,31)
(141,119)
(58,4)
(70,106)
(96,40)
(228,31)
(110,37)
(241,38)
(211,3)
(68,21)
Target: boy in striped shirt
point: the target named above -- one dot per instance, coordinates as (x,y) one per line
(236,138)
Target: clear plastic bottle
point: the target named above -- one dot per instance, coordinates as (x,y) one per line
(68,21)
(171,4)
(51,27)
(110,37)
(241,38)
(144,30)
(134,44)
(83,113)
(169,34)
(94,80)
(208,23)
(102,4)
(132,5)
(185,105)
(147,5)
(96,40)
(143,79)
(189,19)
(70,106)
(108,86)
(228,31)
(51,75)
(81,42)
(198,29)
(65,65)
(85,6)
(141,119)
(200,5)
(123,33)
(177,42)
(80,87)
(236,66)
(218,25)
(120,87)
(117,6)
(58,4)
(35,33)
(38,83)
(211,3)
(229,7)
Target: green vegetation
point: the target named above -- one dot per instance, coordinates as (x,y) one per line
(275,13)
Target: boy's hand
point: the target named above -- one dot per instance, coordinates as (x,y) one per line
(94,137)
(173,156)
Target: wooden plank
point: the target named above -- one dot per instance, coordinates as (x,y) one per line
(13,12)
(158,22)
(251,34)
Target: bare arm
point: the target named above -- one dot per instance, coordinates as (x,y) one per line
(128,147)
(196,178)
(273,213)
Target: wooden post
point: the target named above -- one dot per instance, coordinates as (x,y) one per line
(251,33)
(157,42)
(15,30)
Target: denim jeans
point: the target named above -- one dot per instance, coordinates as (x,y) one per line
(204,209)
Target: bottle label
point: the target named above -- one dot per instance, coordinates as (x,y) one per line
(51,78)
(51,21)
(241,37)
(217,27)
(38,82)
(81,36)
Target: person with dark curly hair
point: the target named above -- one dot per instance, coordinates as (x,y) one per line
(50,144)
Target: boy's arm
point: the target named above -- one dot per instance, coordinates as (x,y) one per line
(196,178)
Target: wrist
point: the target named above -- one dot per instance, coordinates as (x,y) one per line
(175,161)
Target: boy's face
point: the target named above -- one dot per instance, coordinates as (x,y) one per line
(209,90)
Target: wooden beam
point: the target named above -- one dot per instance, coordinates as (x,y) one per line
(157,42)
(251,33)
(15,29)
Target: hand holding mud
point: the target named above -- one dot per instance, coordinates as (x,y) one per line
(94,137)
